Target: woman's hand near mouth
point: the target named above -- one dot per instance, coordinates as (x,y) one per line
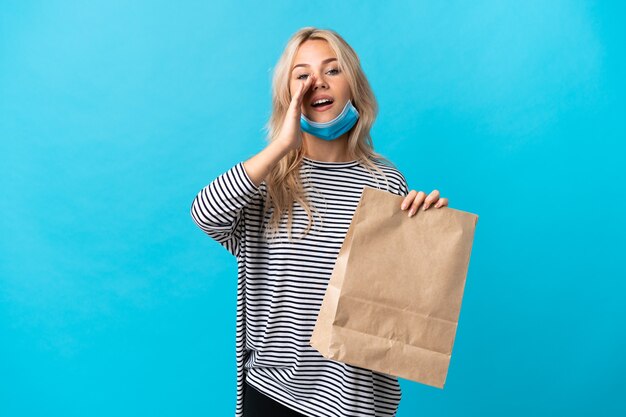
(290,137)
(290,132)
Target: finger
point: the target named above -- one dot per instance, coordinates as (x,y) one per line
(302,92)
(442,202)
(419,199)
(305,86)
(408,199)
(432,197)
(297,97)
(299,93)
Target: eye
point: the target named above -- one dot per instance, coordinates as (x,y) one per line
(336,71)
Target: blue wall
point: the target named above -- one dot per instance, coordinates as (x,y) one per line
(113,115)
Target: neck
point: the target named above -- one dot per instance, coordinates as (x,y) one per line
(326,150)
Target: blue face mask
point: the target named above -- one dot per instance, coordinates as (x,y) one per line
(334,128)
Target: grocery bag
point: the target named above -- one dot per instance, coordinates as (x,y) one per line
(393,300)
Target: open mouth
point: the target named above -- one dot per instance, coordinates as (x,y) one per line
(322,104)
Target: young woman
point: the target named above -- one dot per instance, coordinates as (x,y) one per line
(307,181)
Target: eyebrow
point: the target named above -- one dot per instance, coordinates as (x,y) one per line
(306,65)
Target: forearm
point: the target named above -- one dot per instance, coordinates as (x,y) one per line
(261,164)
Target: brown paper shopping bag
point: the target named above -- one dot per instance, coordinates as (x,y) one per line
(393,300)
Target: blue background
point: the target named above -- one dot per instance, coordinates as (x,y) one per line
(113,115)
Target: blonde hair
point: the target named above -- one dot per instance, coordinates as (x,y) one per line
(283,181)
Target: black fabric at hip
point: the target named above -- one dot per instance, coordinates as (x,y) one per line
(257,404)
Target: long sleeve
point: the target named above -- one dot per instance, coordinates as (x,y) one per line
(404,187)
(218,208)
(401,188)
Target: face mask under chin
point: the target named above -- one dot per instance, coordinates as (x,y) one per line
(334,128)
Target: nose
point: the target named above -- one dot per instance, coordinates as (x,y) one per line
(318,82)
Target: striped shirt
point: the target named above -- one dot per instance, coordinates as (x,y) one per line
(281,285)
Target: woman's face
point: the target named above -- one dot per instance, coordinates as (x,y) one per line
(316,57)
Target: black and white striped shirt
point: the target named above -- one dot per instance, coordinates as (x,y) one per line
(281,285)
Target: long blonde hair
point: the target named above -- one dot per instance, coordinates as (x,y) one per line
(283,181)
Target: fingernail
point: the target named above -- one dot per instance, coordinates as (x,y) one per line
(425,207)
(403,206)
(411,213)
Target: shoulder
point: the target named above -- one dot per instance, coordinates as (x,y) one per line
(398,183)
